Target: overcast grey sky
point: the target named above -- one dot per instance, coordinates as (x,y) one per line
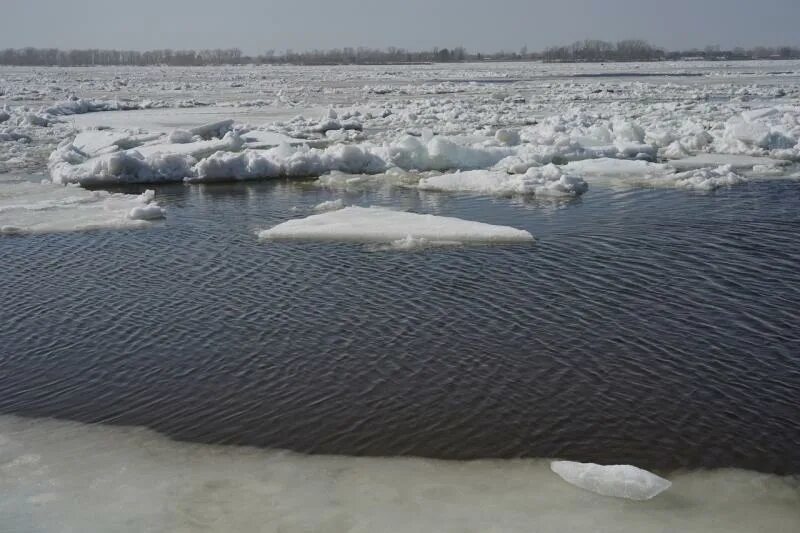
(485,25)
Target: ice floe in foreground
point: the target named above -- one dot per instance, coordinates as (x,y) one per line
(619,481)
(379,225)
(27,207)
(64,476)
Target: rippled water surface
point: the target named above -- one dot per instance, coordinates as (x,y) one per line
(654,327)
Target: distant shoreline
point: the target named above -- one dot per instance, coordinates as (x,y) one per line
(589,51)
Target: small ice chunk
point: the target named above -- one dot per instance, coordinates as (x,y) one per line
(148,210)
(382,225)
(330,205)
(619,481)
(617,168)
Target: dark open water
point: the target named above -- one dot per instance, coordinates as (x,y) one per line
(654,327)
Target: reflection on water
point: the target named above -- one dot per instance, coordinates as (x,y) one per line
(653,327)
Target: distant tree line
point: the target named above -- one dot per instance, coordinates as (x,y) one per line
(581,51)
(593,50)
(73,58)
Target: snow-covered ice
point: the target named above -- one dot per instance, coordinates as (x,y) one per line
(619,481)
(382,225)
(27,207)
(548,180)
(402,125)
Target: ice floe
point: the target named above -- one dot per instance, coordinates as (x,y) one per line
(644,173)
(386,226)
(548,180)
(27,207)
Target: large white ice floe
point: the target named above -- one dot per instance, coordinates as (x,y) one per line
(619,481)
(379,225)
(27,207)
(548,180)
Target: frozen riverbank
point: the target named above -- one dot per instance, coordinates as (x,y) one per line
(65,476)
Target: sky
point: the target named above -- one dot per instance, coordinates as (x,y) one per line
(478,25)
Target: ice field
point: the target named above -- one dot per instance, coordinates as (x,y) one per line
(516,250)
(498,129)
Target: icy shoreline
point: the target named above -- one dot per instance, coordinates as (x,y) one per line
(99,478)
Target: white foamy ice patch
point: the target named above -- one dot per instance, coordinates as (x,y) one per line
(27,207)
(619,481)
(548,180)
(63,476)
(385,226)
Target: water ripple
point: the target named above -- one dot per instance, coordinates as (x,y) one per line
(644,326)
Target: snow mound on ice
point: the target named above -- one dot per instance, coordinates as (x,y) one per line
(49,208)
(619,481)
(381,225)
(544,181)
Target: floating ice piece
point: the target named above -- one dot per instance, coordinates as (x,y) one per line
(330,205)
(736,162)
(655,174)
(616,168)
(381,225)
(48,208)
(543,181)
(707,178)
(619,481)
